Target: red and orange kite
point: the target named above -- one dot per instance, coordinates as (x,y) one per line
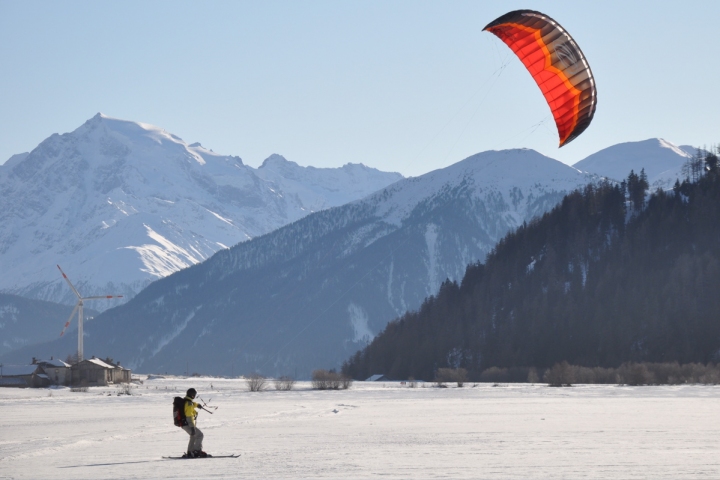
(556,63)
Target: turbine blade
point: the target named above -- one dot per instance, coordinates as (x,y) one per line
(103,297)
(68,282)
(67,324)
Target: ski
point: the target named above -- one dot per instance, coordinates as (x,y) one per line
(201,458)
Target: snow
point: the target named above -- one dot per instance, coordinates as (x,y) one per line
(374,429)
(163,257)
(123,203)
(359,323)
(54,363)
(662,161)
(100,363)
(491,173)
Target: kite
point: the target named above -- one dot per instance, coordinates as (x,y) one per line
(557,65)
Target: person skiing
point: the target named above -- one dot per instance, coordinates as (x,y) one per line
(194,449)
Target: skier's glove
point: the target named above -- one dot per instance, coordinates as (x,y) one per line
(192,431)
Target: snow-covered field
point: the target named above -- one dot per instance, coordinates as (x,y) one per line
(372,430)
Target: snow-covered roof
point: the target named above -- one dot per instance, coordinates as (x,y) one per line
(16,370)
(54,363)
(375,377)
(99,362)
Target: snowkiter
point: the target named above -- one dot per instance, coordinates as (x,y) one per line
(194,449)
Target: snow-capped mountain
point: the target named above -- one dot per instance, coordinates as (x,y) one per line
(119,204)
(311,293)
(662,161)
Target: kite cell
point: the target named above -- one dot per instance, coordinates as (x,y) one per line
(556,63)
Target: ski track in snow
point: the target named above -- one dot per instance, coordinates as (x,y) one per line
(372,430)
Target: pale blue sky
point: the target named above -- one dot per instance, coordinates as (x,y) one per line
(404,86)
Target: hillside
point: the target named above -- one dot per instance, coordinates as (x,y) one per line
(596,282)
(24,321)
(311,293)
(662,161)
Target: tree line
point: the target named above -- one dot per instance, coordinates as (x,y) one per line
(610,275)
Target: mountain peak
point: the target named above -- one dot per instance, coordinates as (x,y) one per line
(276,160)
(661,159)
(98,119)
(128,202)
(126,128)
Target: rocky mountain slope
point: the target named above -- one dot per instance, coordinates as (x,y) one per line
(119,204)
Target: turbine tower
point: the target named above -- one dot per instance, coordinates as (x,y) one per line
(79,309)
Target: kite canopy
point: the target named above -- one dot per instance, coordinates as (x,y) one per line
(556,63)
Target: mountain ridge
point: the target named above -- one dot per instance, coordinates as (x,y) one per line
(332,279)
(313,291)
(598,281)
(122,203)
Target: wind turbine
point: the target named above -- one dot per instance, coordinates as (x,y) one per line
(79,309)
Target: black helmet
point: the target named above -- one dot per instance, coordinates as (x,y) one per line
(191,393)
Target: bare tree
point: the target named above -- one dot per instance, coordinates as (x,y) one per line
(457,375)
(71,359)
(634,374)
(330,380)
(561,374)
(284,383)
(693,167)
(124,389)
(256,382)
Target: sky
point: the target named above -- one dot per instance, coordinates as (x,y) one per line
(405,86)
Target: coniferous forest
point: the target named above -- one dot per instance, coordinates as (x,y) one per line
(610,275)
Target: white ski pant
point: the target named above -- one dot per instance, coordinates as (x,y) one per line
(195,442)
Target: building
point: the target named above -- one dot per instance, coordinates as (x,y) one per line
(44,373)
(119,373)
(23,376)
(94,372)
(57,371)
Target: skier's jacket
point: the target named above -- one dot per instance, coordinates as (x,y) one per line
(190,411)
(184,411)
